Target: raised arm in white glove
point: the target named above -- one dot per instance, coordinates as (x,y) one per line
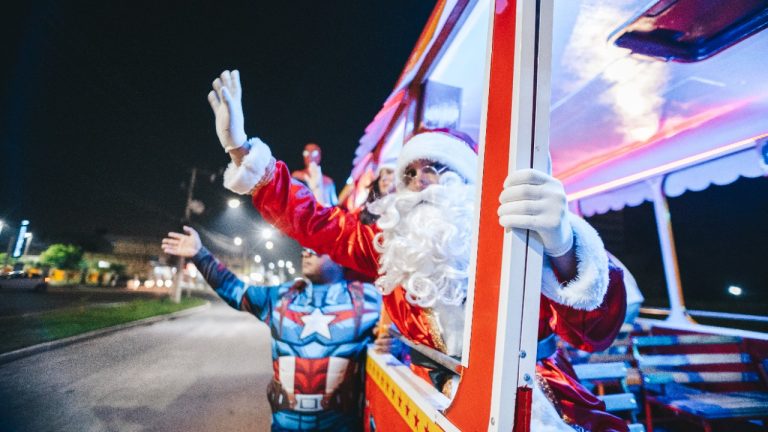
(535,201)
(252,160)
(225,100)
(185,245)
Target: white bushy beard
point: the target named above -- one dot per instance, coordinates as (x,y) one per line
(425,242)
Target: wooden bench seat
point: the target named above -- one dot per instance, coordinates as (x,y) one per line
(680,374)
(714,406)
(612,376)
(620,402)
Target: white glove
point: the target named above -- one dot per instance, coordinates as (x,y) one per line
(228,109)
(185,245)
(536,201)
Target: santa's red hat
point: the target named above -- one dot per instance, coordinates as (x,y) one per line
(453,149)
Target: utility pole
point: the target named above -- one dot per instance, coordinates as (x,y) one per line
(176,293)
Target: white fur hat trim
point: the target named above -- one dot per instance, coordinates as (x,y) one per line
(438,147)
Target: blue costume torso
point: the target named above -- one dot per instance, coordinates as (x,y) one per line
(319,334)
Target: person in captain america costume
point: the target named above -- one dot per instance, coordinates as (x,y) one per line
(419,252)
(320,327)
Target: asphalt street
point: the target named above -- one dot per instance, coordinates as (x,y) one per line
(203,372)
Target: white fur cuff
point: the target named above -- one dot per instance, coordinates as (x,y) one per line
(587,290)
(253,171)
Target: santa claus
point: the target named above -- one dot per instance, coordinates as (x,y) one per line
(419,251)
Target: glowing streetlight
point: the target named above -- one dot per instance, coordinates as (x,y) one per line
(271,266)
(269,245)
(257,259)
(289,264)
(238,241)
(291,270)
(266,233)
(233,203)
(734,290)
(281,263)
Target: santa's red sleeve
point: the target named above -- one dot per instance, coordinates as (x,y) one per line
(291,207)
(588,311)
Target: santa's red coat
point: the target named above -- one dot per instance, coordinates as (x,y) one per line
(290,207)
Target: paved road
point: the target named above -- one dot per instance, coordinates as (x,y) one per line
(205,372)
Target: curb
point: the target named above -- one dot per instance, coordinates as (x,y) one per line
(52,345)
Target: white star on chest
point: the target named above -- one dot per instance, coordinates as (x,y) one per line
(316,322)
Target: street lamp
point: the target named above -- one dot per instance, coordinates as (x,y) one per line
(735,290)
(257,259)
(281,263)
(238,241)
(269,245)
(266,233)
(233,203)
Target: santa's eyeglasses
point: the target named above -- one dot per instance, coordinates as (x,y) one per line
(432,171)
(307,252)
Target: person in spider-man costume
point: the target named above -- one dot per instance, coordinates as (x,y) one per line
(312,176)
(320,324)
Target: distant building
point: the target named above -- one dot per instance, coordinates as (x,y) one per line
(139,255)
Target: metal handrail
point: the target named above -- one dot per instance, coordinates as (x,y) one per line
(707,314)
(449,363)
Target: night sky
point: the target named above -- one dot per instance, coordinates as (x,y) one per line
(104,107)
(104,113)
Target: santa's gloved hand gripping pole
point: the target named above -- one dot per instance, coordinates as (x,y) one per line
(536,201)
